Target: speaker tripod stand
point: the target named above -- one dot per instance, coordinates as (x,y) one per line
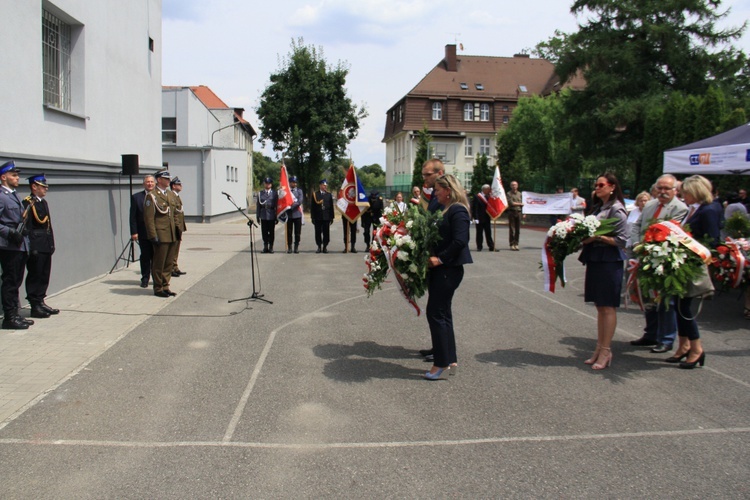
(129,246)
(256,295)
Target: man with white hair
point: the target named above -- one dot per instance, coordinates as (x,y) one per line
(482,219)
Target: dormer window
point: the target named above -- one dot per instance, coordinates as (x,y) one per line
(464,86)
(479,86)
(522,88)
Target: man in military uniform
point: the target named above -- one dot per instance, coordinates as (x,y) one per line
(321,213)
(265,213)
(294,217)
(13,248)
(371,216)
(138,228)
(161,227)
(41,246)
(176,186)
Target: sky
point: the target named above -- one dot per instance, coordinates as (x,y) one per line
(233,46)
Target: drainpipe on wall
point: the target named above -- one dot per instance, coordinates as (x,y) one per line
(200,188)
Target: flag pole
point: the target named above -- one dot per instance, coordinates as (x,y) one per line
(346,234)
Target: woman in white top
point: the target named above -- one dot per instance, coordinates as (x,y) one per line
(640,200)
(399,201)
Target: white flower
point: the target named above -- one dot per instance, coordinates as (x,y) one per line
(402,255)
(412,268)
(659,269)
(409,224)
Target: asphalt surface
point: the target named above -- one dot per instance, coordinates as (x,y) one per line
(320,393)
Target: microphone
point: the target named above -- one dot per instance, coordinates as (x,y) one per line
(227,195)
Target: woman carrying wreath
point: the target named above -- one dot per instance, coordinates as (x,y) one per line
(703,218)
(603,257)
(446,270)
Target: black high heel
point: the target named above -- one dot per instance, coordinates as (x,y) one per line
(676,358)
(689,366)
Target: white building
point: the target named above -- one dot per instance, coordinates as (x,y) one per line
(209,146)
(81,86)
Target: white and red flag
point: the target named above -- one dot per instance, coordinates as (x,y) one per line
(286,199)
(498,201)
(352,199)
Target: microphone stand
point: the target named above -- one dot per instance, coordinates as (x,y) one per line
(250,223)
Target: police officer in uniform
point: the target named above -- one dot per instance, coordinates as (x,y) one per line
(265,213)
(41,246)
(176,186)
(371,216)
(321,213)
(13,248)
(294,217)
(159,212)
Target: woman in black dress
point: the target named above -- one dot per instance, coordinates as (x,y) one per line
(603,257)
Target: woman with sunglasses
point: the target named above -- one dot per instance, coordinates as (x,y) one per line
(446,270)
(603,257)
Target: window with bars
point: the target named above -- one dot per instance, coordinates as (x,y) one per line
(56,43)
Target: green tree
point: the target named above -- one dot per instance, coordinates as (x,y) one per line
(422,155)
(263,167)
(629,52)
(371,176)
(306,113)
(480,174)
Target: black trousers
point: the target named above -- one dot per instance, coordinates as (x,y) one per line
(443,283)
(293,228)
(13,264)
(267,231)
(352,232)
(322,232)
(486,229)
(39,268)
(147,255)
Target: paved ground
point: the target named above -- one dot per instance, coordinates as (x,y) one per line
(320,393)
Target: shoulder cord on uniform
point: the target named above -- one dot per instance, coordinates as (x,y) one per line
(315,198)
(36,215)
(156,205)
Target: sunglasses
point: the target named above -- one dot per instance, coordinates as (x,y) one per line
(601,185)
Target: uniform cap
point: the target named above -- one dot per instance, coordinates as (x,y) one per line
(293,178)
(176,180)
(323,181)
(162,174)
(8,166)
(268,180)
(38,179)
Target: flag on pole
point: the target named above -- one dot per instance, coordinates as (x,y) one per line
(352,200)
(498,201)
(285,194)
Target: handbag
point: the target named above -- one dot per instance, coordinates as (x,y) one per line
(701,287)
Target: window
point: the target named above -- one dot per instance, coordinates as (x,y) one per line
(506,120)
(506,108)
(168,130)
(468,112)
(469,147)
(484,112)
(484,146)
(479,86)
(437,111)
(444,151)
(400,113)
(56,44)
(464,86)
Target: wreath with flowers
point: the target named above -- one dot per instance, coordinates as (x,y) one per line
(730,266)
(667,260)
(401,243)
(566,238)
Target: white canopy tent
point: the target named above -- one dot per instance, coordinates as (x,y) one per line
(725,153)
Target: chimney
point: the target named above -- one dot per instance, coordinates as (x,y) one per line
(239,111)
(450,58)
(526,56)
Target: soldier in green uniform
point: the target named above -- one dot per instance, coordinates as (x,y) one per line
(176,187)
(159,215)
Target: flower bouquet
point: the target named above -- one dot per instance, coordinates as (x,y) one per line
(668,260)
(730,267)
(402,244)
(566,237)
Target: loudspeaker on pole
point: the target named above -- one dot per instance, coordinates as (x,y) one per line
(129,164)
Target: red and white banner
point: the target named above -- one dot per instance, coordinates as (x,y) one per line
(286,199)
(498,201)
(352,200)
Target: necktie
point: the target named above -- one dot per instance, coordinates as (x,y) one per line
(658,211)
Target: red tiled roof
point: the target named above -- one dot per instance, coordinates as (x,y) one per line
(208,98)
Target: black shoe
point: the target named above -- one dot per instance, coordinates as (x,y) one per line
(690,365)
(26,320)
(289,250)
(343,251)
(49,309)
(15,323)
(38,312)
(270,249)
(296,248)
(265,250)
(425,352)
(162,294)
(353,250)
(175,274)
(429,358)
(181,272)
(479,249)
(660,348)
(318,250)
(325,249)
(170,293)
(144,282)
(644,342)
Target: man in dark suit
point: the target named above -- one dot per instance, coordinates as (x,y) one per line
(661,324)
(371,216)
(41,246)
(14,247)
(482,219)
(265,213)
(138,228)
(294,216)
(321,213)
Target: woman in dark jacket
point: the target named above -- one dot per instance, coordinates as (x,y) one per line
(704,218)
(446,272)
(603,257)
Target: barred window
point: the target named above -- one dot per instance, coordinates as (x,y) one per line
(56,42)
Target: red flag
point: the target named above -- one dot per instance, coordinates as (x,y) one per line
(498,201)
(352,200)
(285,193)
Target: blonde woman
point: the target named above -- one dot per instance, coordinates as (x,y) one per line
(446,270)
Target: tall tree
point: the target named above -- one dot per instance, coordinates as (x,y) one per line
(480,174)
(306,113)
(422,155)
(629,52)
